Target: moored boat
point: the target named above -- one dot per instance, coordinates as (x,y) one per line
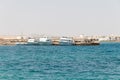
(32,41)
(66,41)
(44,41)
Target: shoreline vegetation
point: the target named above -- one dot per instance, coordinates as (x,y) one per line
(75,40)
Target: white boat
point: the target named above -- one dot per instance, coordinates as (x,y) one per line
(32,41)
(66,41)
(44,41)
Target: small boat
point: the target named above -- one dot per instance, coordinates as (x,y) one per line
(66,41)
(32,41)
(44,41)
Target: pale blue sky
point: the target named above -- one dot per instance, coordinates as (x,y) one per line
(60,17)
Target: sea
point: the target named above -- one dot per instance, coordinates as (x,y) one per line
(30,62)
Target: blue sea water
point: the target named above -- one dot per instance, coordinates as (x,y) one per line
(100,62)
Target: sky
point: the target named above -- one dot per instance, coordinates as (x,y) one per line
(60,17)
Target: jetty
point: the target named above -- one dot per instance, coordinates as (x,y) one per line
(85,41)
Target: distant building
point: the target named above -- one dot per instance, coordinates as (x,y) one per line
(12,37)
